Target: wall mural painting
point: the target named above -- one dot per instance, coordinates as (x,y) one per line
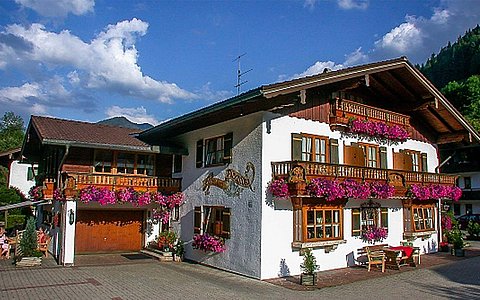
(234,182)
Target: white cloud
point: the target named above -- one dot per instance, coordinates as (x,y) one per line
(319,67)
(107,63)
(401,39)
(310,4)
(355,58)
(418,37)
(136,115)
(353,4)
(206,93)
(58,8)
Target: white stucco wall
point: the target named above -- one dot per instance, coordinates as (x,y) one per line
(278,257)
(243,247)
(18,177)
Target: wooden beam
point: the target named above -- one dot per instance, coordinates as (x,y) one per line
(455,137)
(381,85)
(440,118)
(405,85)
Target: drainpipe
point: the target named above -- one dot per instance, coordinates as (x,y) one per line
(67,148)
(439,223)
(63,209)
(444,162)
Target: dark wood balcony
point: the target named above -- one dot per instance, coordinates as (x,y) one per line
(75,181)
(341,111)
(296,173)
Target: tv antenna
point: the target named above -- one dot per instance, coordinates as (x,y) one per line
(240,74)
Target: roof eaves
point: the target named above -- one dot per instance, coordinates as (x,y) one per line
(97,145)
(206,110)
(448,106)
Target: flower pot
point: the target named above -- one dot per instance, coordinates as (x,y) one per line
(308,279)
(444,248)
(458,252)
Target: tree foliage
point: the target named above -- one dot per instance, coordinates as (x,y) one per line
(11,131)
(28,243)
(465,95)
(455,62)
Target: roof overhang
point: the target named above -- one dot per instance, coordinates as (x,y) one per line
(22,204)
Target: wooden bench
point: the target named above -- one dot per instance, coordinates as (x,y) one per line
(374,255)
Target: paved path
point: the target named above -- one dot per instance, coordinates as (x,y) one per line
(153,280)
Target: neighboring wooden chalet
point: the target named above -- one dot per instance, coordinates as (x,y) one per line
(73,156)
(301,131)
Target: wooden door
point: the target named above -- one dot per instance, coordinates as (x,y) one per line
(103,231)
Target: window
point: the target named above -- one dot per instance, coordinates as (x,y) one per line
(410,160)
(125,163)
(370,152)
(214,151)
(145,164)
(214,220)
(177,163)
(467,182)
(468,209)
(418,218)
(456,209)
(31,171)
(307,147)
(317,222)
(103,161)
(370,214)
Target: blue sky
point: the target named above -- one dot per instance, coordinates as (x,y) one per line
(154,60)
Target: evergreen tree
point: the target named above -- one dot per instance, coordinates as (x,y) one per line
(11,131)
(28,243)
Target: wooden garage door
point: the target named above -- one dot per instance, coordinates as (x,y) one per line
(108,230)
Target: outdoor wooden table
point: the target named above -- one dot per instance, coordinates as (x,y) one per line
(399,256)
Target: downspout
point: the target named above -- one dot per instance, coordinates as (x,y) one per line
(63,207)
(444,162)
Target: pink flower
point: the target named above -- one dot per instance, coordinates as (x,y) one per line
(207,243)
(374,234)
(379,129)
(278,188)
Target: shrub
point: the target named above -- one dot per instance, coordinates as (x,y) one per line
(473,229)
(28,243)
(309,265)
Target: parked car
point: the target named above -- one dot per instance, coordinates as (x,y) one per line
(463,220)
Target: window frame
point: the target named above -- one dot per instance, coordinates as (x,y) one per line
(223,154)
(112,162)
(221,226)
(419,160)
(380,219)
(314,152)
(115,164)
(324,209)
(416,214)
(366,154)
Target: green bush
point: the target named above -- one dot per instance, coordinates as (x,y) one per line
(455,237)
(473,229)
(14,221)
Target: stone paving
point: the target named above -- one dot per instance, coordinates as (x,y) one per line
(119,279)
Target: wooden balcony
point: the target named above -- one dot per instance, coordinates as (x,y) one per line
(76,181)
(297,172)
(341,111)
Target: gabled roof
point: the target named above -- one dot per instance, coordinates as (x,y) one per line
(82,134)
(394,84)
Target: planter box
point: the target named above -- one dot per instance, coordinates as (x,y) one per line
(458,252)
(308,279)
(29,262)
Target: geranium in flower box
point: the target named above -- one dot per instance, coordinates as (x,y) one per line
(374,234)
(278,188)
(208,243)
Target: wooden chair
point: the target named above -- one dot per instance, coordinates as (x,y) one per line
(375,256)
(416,251)
(43,247)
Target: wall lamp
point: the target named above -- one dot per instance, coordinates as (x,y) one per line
(71,217)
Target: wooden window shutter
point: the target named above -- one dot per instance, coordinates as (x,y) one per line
(383,157)
(197,222)
(356,222)
(424,162)
(199,154)
(333,151)
(226,216)
(296,146)
(227,148)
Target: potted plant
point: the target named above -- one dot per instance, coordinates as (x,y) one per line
(456,238)
(30,255)
(178,250)
(309,267)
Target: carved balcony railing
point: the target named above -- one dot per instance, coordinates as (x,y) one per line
(75,181)
(341,111)
(300,171)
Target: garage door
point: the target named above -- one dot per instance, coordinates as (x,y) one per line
(100,231)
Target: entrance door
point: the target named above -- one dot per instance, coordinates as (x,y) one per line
(103,231)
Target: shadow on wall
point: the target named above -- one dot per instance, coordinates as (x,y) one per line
(185,234)
(277,203)
(284,269)
(350,258)
(430,247)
